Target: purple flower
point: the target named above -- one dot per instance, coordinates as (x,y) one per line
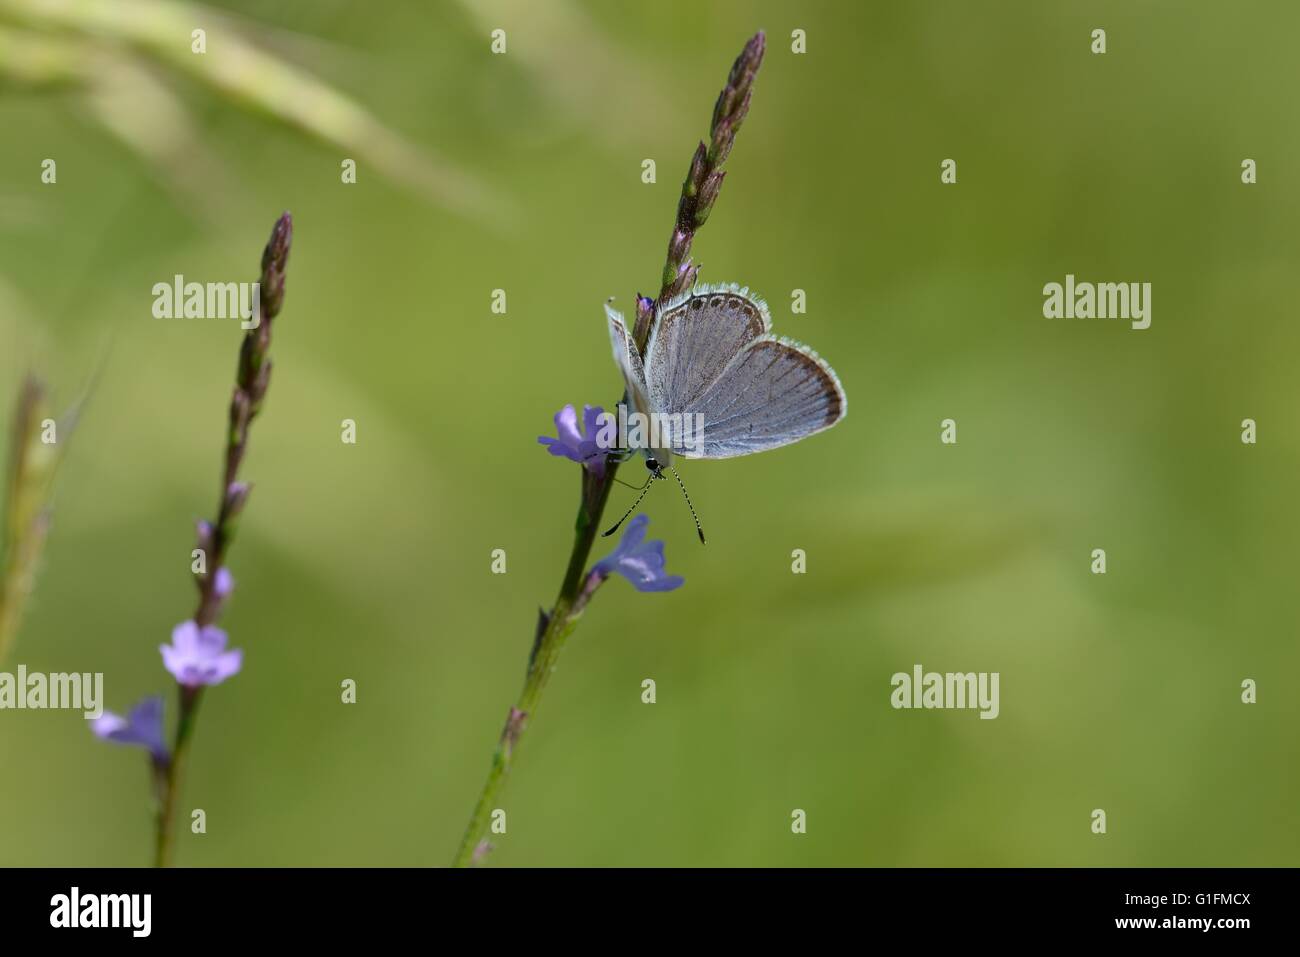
(224,583)
(198,656)
(580,447)
(640,562)
(143,727)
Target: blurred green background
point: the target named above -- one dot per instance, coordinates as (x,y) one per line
(522,172)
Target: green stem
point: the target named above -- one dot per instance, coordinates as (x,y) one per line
(546,652)
(699,193)
(252,377)
(169,787)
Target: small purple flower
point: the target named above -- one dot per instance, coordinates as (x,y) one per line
(198,656)
(640,562)
(224,583)
(580,447)
(143,727)
(237,497)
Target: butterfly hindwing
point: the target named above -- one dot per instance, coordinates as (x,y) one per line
(773,393)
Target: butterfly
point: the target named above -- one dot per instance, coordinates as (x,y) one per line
(712,361)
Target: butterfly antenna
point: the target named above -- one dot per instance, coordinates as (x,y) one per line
(699,531)
(627,513)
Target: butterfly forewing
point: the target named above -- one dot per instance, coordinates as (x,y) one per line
(629,362)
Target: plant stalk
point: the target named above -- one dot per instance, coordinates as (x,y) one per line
(699,192)
(170,774)
(553,629)
(252,377)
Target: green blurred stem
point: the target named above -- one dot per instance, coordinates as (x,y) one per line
(170,774)
(574,593)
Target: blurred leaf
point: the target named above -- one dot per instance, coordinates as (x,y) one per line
(32,466)
(605,89)
(160,30)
